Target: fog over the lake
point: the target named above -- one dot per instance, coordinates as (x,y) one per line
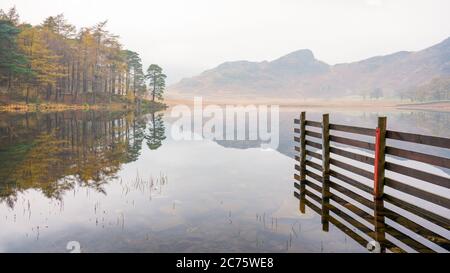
(187,37)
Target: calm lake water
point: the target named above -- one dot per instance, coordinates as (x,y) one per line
(119,182)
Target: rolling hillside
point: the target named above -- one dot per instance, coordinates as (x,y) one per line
(300,75)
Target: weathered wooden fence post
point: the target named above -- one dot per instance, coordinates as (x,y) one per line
(302,160)
(380,146)
(380,227)
(378,188)
(325,171)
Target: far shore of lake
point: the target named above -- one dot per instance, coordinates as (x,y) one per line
(353,104)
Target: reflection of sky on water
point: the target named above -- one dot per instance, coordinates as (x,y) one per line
(227,197)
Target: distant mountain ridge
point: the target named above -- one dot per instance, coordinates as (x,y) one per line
(300,74)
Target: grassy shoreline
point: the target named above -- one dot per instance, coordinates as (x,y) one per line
(114,106)
(54,107)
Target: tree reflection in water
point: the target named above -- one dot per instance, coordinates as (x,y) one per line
(156,131)
(54,152)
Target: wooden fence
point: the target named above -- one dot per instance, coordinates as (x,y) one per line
(331,183)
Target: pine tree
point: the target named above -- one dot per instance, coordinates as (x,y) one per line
(12,62)
(157,81)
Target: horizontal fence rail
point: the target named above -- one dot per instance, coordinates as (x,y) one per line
(333,169)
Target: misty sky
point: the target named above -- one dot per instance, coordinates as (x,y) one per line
(188,36)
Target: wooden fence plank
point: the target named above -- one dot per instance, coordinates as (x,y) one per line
(347,192)
(416,173)
(313,154)
(314,176)
(313,144)
(370,219)
(352,221)
(353,142)
(351,207)
(351,155)
(351,181)
(314,134)
(314,165)
(309,204)
(425,214)
(419,193)
(420,139)
(313,124)
(407,240)
(418,229)
(355,236)
(351,168)
(313,186)
(313,197)
(369,232)
(353,129)
(425,158)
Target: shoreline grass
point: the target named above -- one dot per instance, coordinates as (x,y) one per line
(55,107)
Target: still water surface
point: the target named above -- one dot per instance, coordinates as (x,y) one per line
(118,182)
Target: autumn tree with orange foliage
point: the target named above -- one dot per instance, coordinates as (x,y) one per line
(56,62)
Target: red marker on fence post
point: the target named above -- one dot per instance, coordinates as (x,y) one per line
(379,162)
(378,182)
